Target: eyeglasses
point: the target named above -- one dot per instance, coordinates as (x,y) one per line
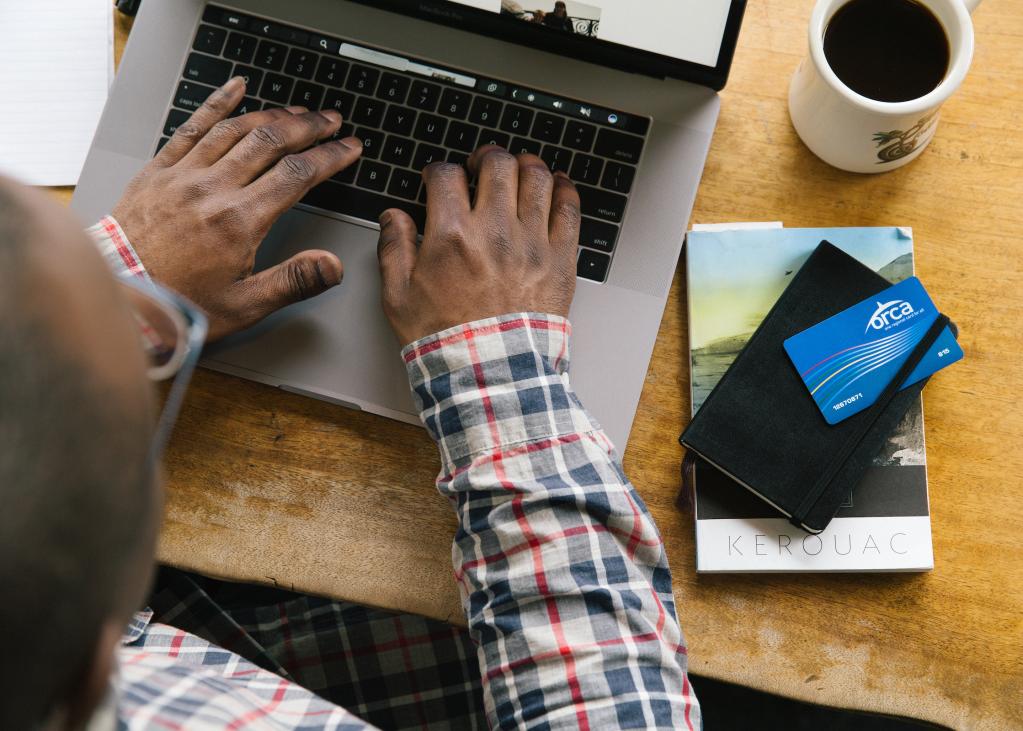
(172,331)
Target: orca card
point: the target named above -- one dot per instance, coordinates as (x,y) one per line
(847,360)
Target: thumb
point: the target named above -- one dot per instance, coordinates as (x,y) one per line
(301,277)
(396,251)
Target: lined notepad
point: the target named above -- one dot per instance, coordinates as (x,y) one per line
(58,62)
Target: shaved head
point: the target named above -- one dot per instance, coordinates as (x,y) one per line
(77,526)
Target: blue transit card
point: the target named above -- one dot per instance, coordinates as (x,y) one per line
(847,360)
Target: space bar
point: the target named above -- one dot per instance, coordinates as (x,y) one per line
(359,203)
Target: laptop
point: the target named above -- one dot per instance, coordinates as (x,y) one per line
(619,94)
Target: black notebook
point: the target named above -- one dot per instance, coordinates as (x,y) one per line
(760,426)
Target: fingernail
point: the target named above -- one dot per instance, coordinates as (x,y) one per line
(331,116)
(234,84)
(385,219)
(330,273)
(352,143)
(297,110)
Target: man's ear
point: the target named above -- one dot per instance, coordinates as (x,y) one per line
(83,700)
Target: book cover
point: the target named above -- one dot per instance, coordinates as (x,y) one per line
(734,277)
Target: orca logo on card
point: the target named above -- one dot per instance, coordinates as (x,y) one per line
(889,313)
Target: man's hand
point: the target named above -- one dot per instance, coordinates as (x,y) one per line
(513,251)
(197,213)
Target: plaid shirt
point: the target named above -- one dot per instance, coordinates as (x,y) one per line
(562,572)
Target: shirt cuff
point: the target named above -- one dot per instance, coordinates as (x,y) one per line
(116,249)
(494,384)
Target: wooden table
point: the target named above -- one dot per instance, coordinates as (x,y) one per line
(269,487)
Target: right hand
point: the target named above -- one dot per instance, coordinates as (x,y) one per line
(513,251)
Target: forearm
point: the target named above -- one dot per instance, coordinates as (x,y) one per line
(562,571)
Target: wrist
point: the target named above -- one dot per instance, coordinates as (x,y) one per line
(495,383)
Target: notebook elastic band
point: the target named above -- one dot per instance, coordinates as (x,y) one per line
(872,415)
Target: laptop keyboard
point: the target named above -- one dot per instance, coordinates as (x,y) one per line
(409,114)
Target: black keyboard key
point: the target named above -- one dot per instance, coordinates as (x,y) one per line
(207,70)
(363,79)
(368,111)
(393,88)
(348,174)
(175,119)
(485,111)
(618,146)
(340,101)
(308,95)
(579,136)
(405,184)
(521,146)
(493,137)
(431,129)
(226,18)
(398,151)
(427,155)
(557,158)
(276,89)
(345,130)
(190,95)
(249,104)
(598,234)
(618,177)
(253,77)
(332,71)
(210,39)
(586,169)
(360,203)
(399,120)
(240,48)
(548,128)
(592,265)
(601,203)
(301,63)
(424,96)
(373,175)
(462,136)
(454,103)
(163,141)
(458,158)
(372,141)
(516,119)
(324,44)
(270,55)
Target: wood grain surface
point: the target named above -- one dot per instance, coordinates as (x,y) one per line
(269,487)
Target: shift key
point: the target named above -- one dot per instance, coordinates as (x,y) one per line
(598,234)
(601,203)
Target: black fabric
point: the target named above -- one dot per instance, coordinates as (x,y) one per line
(761,426)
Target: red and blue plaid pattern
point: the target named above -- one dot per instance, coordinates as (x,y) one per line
(563,575)
(562,572)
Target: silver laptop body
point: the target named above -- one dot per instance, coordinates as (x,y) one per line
(339,347)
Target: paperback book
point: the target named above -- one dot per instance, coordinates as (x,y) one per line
(734,278)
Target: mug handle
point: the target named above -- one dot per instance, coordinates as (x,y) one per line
(971,5)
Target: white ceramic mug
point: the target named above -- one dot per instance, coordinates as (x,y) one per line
(862,135)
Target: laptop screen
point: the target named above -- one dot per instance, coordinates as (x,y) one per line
(687,30)
(688,39)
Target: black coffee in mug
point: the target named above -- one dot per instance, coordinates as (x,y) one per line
(887,50)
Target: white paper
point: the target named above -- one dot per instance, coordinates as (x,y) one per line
(57,61)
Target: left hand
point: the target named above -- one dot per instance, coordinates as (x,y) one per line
(197,213)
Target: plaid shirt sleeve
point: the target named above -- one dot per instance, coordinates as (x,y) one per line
(563,575)
(115,247)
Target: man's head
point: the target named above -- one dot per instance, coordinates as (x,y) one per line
(560,9)
(79,513)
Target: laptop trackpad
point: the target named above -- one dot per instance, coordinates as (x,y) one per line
(338,345)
